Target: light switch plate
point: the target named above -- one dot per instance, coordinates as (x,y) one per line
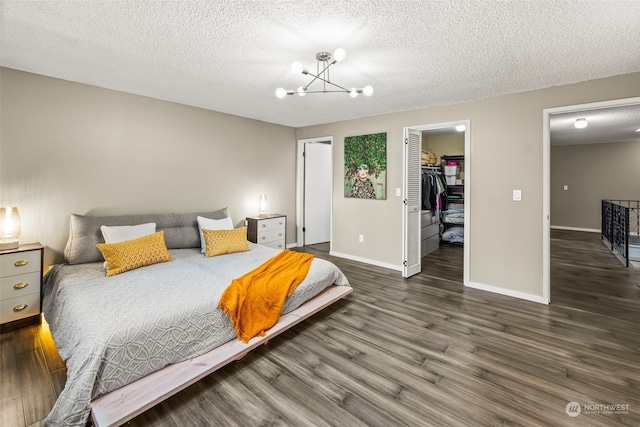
(517,195)
(398,192)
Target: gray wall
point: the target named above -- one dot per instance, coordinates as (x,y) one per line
(592,172)
(67,147)
(71,148)
(506,154)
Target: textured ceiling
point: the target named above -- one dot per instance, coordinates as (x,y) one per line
(616,124)
(230,56)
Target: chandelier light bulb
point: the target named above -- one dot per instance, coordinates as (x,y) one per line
(368,90)
(297,67)
(301,91)
(339,54)
(281,92)
(353,92)
(580,123)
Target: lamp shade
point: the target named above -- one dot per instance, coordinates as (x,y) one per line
(262,205)
(9,228)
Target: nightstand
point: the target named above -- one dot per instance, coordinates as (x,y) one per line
(20,286)
(268,230)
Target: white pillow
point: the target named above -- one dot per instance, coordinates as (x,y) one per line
(212,224)
(120,233)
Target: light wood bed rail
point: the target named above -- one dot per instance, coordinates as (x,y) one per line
(121,405)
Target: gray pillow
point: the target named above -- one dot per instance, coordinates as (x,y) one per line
(180,231)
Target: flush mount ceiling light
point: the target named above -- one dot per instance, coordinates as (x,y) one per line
(324,61)
(580,123)
(460,128)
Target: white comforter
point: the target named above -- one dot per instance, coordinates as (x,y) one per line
(114,330)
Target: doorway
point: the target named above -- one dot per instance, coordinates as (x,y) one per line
(411,224)
(315,191)
(546,175)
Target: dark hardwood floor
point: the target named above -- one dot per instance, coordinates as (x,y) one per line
(422,351)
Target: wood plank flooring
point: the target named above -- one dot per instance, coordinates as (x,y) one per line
(422,351)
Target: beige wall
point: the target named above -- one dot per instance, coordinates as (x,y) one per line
(70,148)
(67,147)
(506,154)
(592,172)
(447,144)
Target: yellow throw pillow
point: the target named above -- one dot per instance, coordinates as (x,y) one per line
(220,242)
(135,253)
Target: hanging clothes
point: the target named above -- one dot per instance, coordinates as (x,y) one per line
(432,191)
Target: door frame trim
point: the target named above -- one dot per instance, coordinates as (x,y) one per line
(300,188)
(467,184)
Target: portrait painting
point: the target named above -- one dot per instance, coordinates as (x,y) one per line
(365,166)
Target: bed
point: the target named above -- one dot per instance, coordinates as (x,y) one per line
(133,339)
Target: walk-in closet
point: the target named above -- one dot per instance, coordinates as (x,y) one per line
(443,178)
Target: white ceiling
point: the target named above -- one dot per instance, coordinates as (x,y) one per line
(230,56)
(616,124)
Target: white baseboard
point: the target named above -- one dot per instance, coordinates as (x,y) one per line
(367,261)
(508,292)
(292,245)
(588,230)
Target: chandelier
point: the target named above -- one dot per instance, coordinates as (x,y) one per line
(324,60)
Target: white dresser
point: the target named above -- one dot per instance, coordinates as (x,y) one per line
(20,286)
(430,232)
(269,230)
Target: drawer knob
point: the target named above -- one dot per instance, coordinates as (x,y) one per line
(263,225)
(263,237)
(279,245)
(20,285)
(21,263)
(20,307)
(280,223)
(279,234)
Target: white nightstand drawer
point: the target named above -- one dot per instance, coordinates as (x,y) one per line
(271,224)
(19,263)
(19,285)
(270,236)
(277,244)
(19,308)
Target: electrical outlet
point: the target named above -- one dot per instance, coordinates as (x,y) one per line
(517,195)
(566,187)
(398,192)
(361,238)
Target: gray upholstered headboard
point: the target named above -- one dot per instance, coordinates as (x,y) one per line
(180,232)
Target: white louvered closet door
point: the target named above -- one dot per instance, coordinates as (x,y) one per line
(412,202)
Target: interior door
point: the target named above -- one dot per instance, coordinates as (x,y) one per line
(317,193)
(412,191)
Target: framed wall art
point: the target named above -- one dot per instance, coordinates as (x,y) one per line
(365,166)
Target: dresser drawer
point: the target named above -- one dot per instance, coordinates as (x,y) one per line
(430,230)
(19,308)
(19,263)
(270,235)
(276,244)
(19,285)
(431,244)
(427,219)
(271,224)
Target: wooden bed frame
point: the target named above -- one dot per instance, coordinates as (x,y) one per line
(121,405)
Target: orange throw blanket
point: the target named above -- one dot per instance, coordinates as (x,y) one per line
(254,301)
